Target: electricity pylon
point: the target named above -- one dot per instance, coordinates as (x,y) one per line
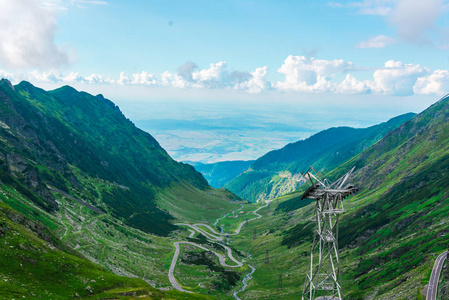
(280,282)
(323,279)
(267,257)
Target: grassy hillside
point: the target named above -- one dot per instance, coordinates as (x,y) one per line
(402,209)
(393,229)
(97,188)
(279,171)
(34,264)
(47,134)
(220,173)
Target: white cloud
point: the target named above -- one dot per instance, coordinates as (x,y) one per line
(215,76)
(435,83)
(27,35)
(144,78)
(186,70)
(175,80)
(414,18)
(302,74)
(28,29)
(123,79)
(257,83)
(379,41)
(397,78)
(46,77)
(350,85)
(97,79)
(310,74)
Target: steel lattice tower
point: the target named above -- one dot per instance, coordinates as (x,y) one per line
(323,279)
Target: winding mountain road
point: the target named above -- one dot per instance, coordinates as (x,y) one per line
(432,288)
(216,236)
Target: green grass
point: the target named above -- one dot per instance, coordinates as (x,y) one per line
(33,268)
(188,204)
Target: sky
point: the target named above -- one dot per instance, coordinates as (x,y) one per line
(374,58)
(385,47)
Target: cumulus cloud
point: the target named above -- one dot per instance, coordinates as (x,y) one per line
(435,83)
(123,79)
(216,76)
(397,78)
(27,35)
(186,70)
(350,85)
(310,74)
(379,41)
(394,78)
(144,78)
(414,18)
(175,80)
(301,75)
(257,83)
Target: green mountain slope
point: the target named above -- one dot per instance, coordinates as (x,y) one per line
(393,229)
(220,173)
(402,211)
(34,264)
(54,140)
(279,172)
(76,171)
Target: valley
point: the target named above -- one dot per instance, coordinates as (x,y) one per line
(81,184)
(219,239)
(229,150)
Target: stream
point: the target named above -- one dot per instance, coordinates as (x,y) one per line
(247,278)
(215,237)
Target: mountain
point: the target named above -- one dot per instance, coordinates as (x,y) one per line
(86,196)
(400,216)
(59,140)
(220,173)
(393,228)
(279,172)
(34,264)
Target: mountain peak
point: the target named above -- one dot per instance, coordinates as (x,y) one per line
(6,82)
(67,89)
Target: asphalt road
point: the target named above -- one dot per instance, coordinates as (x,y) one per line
(435,276)
(215,237)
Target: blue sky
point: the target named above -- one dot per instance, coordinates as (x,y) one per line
(295,50)
(322,63)
(162,35)
(253,46)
